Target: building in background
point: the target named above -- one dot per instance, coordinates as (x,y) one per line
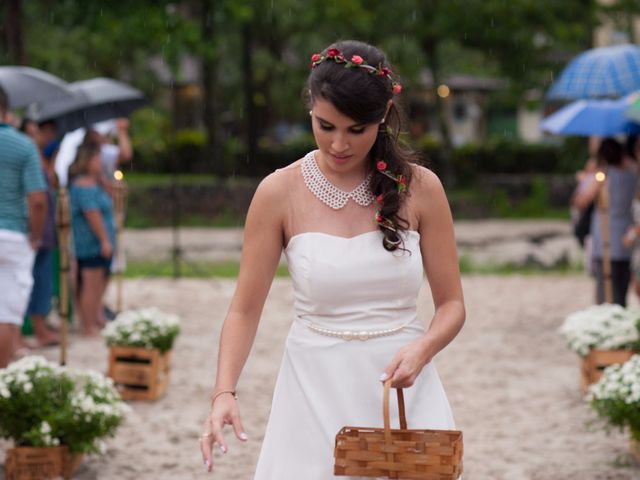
(464,97)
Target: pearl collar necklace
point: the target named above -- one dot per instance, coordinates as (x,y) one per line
(327,192)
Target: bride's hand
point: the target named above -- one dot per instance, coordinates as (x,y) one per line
(224,411)
(406,365)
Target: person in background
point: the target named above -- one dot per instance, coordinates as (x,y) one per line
(48,139)
(23,209)
(620,184)
(632,236)
(112,156)
(93,228)
(42,292)
(632,150)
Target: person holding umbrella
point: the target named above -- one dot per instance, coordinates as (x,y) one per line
(112,156)
(619,186)
(23,207)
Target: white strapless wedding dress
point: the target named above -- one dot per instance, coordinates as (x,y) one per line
(326,382)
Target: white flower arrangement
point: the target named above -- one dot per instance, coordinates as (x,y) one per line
(146,327)
(45,405)
(616,396)
(602,327)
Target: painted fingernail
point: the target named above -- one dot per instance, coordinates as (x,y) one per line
(244,436)
(223,449)
(383,377)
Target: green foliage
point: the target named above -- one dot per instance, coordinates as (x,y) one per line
(505,156)
(42,404)
(230,269)
(615,396)
(523,41)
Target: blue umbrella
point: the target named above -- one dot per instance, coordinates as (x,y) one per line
(606,72)
(592,117)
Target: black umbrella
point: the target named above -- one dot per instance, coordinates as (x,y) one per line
(25,85)
(94,100)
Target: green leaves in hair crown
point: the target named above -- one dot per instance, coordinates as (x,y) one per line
(356,61)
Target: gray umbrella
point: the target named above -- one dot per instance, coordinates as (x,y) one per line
(25,85)
(94,100)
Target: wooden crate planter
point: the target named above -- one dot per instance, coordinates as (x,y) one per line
(139,373)
(597,360)
(39,463)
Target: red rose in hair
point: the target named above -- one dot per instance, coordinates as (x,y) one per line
(397,88)
(385,71)
(315,57)
(357,59)
(380,198)
(333,52)
(379,218)
(381,165)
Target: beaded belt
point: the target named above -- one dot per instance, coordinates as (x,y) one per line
(354,334)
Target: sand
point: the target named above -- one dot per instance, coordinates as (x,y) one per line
(512,383)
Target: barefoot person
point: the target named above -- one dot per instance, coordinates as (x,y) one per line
(93,235)
(359,223)
(23,208)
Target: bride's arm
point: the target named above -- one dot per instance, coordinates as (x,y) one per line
(440,260)
(261,251)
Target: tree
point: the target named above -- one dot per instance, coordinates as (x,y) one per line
(12,33)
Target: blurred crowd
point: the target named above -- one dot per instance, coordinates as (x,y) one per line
(606,217)
(31,177)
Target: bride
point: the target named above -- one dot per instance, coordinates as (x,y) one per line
(360,224)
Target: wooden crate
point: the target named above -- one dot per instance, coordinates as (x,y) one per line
(139,373)
(597,360)
(35,463)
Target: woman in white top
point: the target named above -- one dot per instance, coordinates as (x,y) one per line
(360,224)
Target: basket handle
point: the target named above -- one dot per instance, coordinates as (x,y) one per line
(385,410)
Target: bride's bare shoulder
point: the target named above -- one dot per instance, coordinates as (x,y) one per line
(276,185)
(424,181)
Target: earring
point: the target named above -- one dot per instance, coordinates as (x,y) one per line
(382,121)
(310,113)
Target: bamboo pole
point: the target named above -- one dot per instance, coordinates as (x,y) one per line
(63,222)
(119,202)
(603,206)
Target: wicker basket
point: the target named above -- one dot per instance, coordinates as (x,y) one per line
(401,454)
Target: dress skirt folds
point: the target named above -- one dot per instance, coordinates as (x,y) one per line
(345,288)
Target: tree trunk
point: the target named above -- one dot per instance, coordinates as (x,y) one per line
(209,114)
(249,90)
(13,33)
(430,47)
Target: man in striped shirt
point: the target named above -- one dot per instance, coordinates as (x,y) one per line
(23,207)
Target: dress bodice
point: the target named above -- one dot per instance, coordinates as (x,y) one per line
(354,282)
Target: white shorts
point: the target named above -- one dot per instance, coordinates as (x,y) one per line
(16,276)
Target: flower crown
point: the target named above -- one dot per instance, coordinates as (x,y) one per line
(356,61)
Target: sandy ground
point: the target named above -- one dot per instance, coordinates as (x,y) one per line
(512,384)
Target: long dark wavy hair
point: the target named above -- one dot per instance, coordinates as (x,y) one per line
(363,97)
